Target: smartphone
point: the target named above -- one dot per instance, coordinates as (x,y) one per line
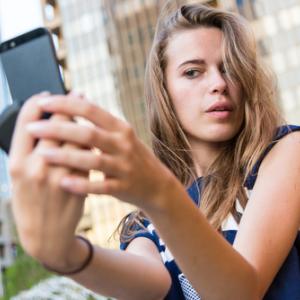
(30,66)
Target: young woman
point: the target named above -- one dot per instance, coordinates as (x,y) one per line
(217,137)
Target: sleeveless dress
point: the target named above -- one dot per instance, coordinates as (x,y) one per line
(286,284)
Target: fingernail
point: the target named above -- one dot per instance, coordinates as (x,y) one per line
(67,182)
(44,101)
(47,152)
(34,126)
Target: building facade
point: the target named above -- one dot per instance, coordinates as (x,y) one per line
(83,52)
(276,25)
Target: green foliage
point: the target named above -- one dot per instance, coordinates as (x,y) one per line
(23,274)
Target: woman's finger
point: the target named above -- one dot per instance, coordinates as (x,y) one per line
(71,132)
(48,143)
(82,160)
(40,168)
(81,186)
(85,109)
(23,142)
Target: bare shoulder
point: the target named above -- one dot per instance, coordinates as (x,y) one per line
(284,152)
(279,173)
(290,138)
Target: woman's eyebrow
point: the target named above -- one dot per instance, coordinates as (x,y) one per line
(193,61)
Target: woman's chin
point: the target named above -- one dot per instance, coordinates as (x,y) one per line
(221,133)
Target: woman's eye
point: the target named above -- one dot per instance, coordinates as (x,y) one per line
(192,73)
(228,73)
(223,70)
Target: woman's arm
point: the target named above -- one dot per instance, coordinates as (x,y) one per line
(46,218)
(267,231)
(271,219)
(215,269)
(135,274)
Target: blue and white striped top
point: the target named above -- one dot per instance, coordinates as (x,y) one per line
(285,286)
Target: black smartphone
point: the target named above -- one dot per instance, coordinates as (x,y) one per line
(30,66)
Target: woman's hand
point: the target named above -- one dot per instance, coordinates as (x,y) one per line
(46,216)
(132,172)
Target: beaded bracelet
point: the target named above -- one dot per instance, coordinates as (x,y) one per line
(84,264)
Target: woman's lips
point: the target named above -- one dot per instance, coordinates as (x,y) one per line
(220,106)
(220,110)
(222,114)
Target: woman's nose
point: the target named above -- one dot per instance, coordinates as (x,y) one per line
(218,83)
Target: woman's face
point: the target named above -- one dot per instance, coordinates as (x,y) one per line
(208,105)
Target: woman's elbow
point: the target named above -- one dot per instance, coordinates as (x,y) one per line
(252,286)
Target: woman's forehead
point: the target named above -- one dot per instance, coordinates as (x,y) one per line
(201,43)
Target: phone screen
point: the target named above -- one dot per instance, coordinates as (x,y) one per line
(30,67)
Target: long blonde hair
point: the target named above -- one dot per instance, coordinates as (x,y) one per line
(225,178)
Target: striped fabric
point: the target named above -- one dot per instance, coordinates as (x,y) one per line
(286,284)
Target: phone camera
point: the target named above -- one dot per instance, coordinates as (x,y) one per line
(12,44)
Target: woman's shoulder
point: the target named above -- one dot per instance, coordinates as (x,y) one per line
(284,151)
(286,140)
(285,135)
(285,130)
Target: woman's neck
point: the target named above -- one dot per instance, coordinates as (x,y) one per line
(204,155)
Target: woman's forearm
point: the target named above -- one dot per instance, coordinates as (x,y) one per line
(215,269)
(122,275)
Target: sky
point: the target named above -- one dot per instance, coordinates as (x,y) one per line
(16,21)
(19,16)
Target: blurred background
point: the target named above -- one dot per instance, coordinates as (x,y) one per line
(102,48)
